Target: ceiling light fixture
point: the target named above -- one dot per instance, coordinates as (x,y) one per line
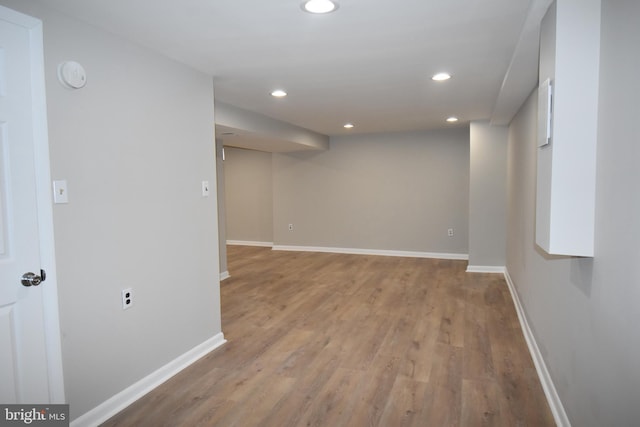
(452,119)
(440,77)
(319,6)
(279,93)
(349,126)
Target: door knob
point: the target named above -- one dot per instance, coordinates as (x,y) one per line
(31,279)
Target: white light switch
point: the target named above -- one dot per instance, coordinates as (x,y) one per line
(60,192)
(205,188)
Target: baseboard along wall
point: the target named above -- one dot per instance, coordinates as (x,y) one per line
(485,269)
(126,397)
(249,243)
(354,251)
(555,404)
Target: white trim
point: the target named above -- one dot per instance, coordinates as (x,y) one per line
(45,220)
(18,18)
(555,404)
(353,251)
(224,275)
(126,397)
(249,243)
(485,269)
(46,245)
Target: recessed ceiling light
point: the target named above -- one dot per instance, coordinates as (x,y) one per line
(319,6)
(279,93)
(440,77)
(452,119)
(349,126)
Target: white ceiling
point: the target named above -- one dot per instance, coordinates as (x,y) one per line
(369,63)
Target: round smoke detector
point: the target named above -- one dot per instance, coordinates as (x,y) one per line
(72,75)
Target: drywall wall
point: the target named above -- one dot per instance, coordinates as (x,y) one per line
(583,311)
(222,208)
(249,195)
(134,146)
(487,195)
(395,192)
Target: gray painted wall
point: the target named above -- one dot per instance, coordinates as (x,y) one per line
(134,145)
(248,195)
(222,209)
(383,192)
(584,311)
(487,194)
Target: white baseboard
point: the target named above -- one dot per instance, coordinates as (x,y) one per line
(249,243)
(555,404)
(126,397)
(224,275)
(485,269)
(353,251)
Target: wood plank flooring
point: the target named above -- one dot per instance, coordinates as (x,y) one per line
(350,340)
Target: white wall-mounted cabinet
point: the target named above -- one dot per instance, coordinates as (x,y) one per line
(567,127)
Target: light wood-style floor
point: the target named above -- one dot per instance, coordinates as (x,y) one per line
(350,340)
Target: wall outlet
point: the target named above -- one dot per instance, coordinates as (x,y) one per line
(450,232)
(127,298)
(290,227)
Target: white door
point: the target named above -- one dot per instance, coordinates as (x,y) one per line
(30,361)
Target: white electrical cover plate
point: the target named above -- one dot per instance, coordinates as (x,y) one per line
(60,192)
(205,188)
(72,75)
